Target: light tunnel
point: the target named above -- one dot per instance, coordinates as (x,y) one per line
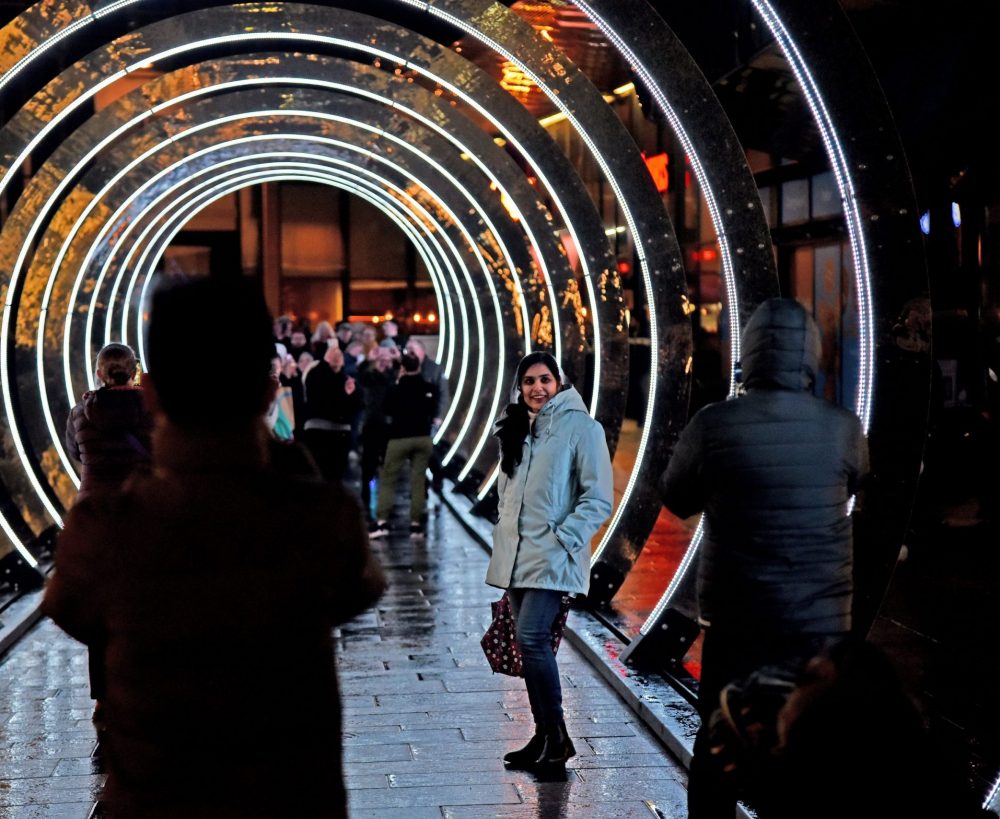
(376,100)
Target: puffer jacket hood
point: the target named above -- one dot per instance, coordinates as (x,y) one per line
(781,346)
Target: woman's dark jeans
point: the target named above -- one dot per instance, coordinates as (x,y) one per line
(534,612)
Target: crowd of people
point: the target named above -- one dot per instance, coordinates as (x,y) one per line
(360,389)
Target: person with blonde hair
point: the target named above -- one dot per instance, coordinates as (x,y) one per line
(322,337)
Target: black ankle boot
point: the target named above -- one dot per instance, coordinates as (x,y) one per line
(525,757)
(558,747)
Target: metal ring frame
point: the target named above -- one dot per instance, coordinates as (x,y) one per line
(421,155)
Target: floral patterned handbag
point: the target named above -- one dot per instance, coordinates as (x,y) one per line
(500,640)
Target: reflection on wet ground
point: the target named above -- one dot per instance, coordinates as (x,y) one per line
(426,721)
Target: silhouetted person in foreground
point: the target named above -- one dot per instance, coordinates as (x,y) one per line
(773,472)
(215,582)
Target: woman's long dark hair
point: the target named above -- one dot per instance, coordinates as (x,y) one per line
(513,426)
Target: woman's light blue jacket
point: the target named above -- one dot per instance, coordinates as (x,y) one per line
(556,500)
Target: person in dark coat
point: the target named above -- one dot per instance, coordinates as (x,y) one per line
(108,431)
(773,471)
(376,376)
(331,404)
(215,582)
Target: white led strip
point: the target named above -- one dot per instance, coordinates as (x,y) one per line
(859,249)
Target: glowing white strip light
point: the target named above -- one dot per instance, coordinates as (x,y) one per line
(988,802)
(58,264)
(16,542)
(27,247)
(408,228)
(852,211)
(459,187)
(47,45)
(729,274)
(444,425)
(859,249)
(691,152)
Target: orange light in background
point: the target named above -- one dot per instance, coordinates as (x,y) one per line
(657,165)
(513,80)
(375,319)
(388,316)
(417,317)
(431,318)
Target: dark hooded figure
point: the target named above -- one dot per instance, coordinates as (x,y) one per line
(773,471)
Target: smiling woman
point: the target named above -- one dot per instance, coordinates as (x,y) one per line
(555,492)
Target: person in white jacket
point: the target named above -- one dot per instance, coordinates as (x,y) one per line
(555,491)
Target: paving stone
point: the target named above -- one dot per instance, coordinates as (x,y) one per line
(436,796)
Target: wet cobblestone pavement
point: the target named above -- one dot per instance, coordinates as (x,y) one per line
(426,722)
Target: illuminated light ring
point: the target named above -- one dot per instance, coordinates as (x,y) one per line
(380,132)
(408,229)
(268,36)
(490,225)
(68,375)
(45,45)
(255,37)
(49,43)
(306,138)
(344,44)
(845,184)
(461,381)
(445,308)
(292,171)
(691,153)
(282,171)
(72,299)
(639,249)
(852,212)
(303,171)
(15,541)
(473,245)
(604,168)
(27,248)
(859,251)
(312,172)
(729,274)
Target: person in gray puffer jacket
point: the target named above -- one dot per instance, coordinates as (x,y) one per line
(773,471)
(556,490)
